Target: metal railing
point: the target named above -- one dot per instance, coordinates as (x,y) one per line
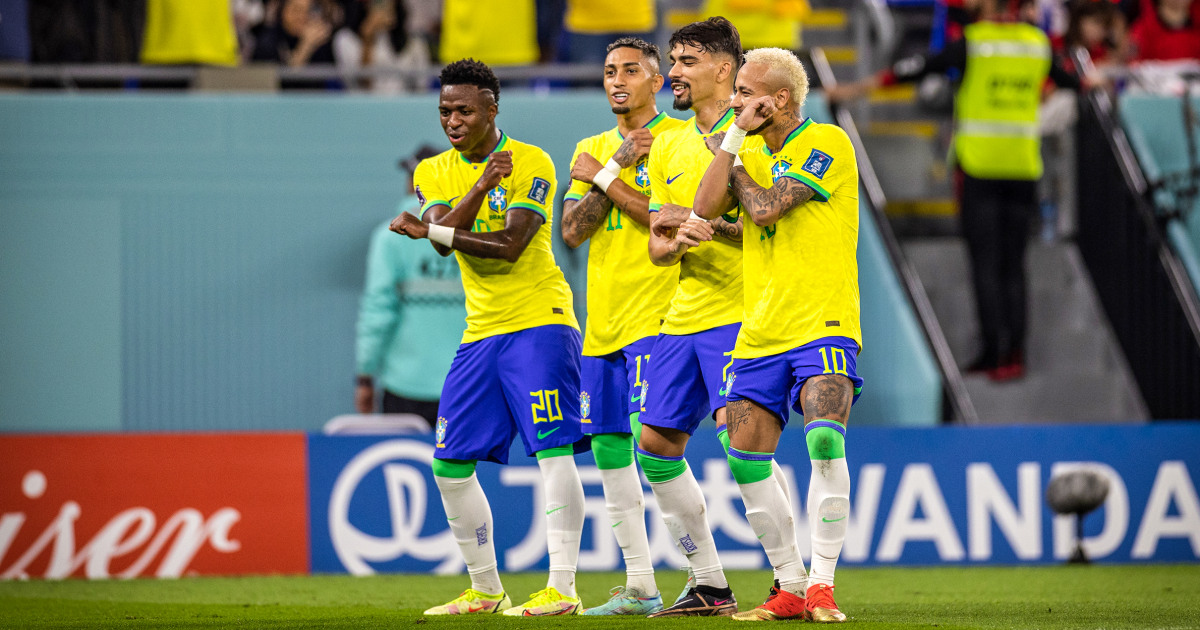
(955,394)
(1142,284)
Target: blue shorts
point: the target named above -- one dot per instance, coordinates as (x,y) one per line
(686,379)
(525,382)
(775,381)
(612,388)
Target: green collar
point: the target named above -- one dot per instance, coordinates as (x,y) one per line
(791,136)
(499,147)
(650,125)
(726,118)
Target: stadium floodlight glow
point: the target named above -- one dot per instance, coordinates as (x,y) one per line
(1077,492)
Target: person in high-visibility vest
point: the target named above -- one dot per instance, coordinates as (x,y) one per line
(997,149)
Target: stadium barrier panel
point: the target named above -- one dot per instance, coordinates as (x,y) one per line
(918,497)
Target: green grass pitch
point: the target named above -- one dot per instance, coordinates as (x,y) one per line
(1120,596)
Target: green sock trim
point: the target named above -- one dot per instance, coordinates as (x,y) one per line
(723,435)
(659,470)
(453,468)
(635,426)
(612,450)
(748,466)
(825,443)
(557,451)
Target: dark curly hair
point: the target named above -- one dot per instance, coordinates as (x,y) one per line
(714,35)
(471,72)
(649,51)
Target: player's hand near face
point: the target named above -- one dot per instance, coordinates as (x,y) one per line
(585,168)
(668,218)
(636,146)
(756,112)
(410,226)
(498,167)
(713,142)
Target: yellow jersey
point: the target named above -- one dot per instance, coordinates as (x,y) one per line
(627,295)
(496,33)
(801,272)
(503,297)
(710,275)
(602,17)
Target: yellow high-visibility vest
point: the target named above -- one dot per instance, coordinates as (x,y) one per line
(997,106)
(189,31)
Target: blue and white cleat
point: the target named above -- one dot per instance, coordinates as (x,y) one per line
(627,602)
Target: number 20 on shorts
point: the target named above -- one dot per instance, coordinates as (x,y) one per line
(834,360)
(546,400)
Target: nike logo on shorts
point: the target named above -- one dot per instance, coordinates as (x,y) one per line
(544,435)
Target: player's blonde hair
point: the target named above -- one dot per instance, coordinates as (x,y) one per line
(786,67)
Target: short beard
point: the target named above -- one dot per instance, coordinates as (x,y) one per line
(683,103)
(621,109)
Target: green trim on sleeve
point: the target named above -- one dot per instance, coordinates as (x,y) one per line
(822,194)
(655,207)
(430,204)
(529,206)
(572,197)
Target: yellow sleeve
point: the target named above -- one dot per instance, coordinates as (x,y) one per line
(826,167)
(428,187)
(534,184)
(656,167)
(578,189)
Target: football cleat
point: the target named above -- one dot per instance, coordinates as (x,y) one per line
(773,593)
(820,606)
(546,602)
(687,586)
(627,602)
(702,601)
(779,606)
(472,602)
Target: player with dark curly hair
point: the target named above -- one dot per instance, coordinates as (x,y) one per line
(489,201)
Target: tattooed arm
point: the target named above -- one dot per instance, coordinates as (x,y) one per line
(582,218)
(767,205)
(731,231)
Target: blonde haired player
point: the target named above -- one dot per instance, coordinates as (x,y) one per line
(797,183)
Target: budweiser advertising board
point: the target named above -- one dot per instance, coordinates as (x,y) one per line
(165,505)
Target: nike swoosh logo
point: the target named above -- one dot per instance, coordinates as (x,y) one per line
(548,512)
(825,520)
(721,392)
(617,523)
(475,608)
(671,179)
(720,602)
(761,535)
(635,398)
(451,202)
(542,436)
(454,519)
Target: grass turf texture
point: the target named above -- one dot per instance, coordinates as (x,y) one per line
(1158,596)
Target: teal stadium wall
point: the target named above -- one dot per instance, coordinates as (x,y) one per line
(185,262)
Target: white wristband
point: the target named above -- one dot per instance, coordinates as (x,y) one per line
(737,160)
(613,167)
(604,179)
(696,216)
(442,235)
(733,139)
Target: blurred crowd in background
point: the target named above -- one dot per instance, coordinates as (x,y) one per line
(413,35)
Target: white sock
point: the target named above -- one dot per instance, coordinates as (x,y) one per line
(771,517)
(828,510)
(470,519)
(564,519)
(777,472)
(627,514)
(678,499)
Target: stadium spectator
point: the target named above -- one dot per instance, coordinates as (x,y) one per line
(997,148)
(590,25)
(297,33)
(496,33)
(763,23)
(1166,30)
(86,31)
(377,36)
(1096,26)
(410,320)
(190,32)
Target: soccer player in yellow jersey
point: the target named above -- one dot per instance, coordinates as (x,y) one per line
(488,199)
(627,298)
(800,337)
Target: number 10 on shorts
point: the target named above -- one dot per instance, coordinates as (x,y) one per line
(546,401)
(831,360)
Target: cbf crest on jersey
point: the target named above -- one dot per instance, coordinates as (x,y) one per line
(439,433)
(585,406)
(498,198)
(817,163)
(779,169)
(643,176)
